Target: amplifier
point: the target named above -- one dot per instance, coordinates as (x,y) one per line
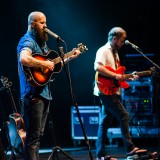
(90,116)
(139,88)
(134,104)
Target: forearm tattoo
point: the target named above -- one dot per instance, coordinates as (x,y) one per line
(33,62)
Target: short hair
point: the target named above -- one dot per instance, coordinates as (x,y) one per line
(116,31)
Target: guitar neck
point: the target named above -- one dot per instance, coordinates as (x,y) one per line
(59,59)
(7,85)
(81,48)
(14,108)
(143,73)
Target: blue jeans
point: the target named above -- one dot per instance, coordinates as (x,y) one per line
(36,110)
(112,106)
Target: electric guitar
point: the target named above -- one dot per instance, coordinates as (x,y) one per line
(16,126)
(41,76)
(109,86)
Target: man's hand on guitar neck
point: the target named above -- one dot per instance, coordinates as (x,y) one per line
(133,78)
(122,77)
(75,55)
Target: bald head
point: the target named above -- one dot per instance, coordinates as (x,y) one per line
(35,16)
(36,24)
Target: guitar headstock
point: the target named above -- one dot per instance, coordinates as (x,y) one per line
(6,83)
(82,47)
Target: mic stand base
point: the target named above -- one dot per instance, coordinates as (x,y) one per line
(54,154)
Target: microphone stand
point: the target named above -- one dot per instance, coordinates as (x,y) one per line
(156,94)
(57,148)
(141,52)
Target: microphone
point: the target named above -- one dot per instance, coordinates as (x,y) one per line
(127,42)
(52,34)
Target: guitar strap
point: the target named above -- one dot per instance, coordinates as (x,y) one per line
(116,60)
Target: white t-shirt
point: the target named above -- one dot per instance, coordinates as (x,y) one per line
(106,57)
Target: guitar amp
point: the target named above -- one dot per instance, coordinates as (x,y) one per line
(90,116)
(134,104)
(140,88)
(137,100)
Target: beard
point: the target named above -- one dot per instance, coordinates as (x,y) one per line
(41,36)
(117,47)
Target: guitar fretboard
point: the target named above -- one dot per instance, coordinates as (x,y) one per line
(59,59)
(143,73)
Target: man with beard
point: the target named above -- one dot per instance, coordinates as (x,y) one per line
(106,63)
(36,99)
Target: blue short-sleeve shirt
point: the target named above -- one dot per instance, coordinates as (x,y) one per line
(28,42)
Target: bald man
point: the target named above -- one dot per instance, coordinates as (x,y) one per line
(35,96)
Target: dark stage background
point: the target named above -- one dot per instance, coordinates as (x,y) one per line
(75,21)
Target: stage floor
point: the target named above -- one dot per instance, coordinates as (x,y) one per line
(80,153)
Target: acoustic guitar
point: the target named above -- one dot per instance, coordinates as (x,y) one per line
(40,76)
(109,86)
(16,126)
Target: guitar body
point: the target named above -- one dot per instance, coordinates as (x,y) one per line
(41,76)
(16,126)
(17,132)
(109,86)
